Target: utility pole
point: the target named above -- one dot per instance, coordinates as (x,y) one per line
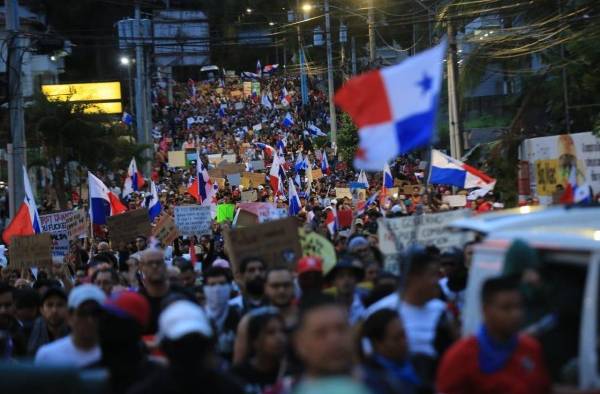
(17,159)
(453,110)
(303,78)
(353,46)
(565,87)
(371,23)
(140,85)
(330,87)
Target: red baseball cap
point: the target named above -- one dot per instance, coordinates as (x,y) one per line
(130,304)
(309,264)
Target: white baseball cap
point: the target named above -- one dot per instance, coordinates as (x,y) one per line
(83,293)
(182,318)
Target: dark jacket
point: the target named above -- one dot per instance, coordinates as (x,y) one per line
(40,336)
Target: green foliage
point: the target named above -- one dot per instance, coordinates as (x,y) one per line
(66,134)
(347,138)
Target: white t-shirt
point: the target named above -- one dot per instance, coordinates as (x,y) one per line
(420,323)
(63,352)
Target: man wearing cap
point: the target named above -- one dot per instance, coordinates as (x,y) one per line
(310,275)
(79,349)
(186,338)
(51,325)
(344,277)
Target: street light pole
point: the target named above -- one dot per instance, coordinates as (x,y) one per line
(371,23)
(303,79)
(330,88)
(16,150)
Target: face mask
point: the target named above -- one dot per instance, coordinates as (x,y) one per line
(255,286)
(216,298)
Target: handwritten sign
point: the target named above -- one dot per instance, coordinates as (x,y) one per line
(231,168)
(257,165)
(177,158)
(56,225)
(343,192)
(314,244)
(275,242)
(77,224)
(458,200)
(253,179)
(129,225)
(397,234)
(193,219)
(317,174)
(31,251)
(165,230)
(234,179)
(249,196)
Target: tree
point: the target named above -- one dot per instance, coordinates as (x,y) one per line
(67,134)
(347,138)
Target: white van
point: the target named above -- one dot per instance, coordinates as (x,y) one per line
(570,266)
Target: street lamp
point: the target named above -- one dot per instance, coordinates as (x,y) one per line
(307,7)
(125,61)
(248,10)
(271,23)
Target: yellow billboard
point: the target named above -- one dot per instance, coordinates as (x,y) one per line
(97,91)
(103,97)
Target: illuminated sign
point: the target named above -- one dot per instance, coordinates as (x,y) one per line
(103,97)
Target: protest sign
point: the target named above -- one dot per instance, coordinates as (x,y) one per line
(264,211)
(220,182)
(274,242)
(216,173)
(256,88)
(193,219)
(238,106)
(56,225)
(165,230)
(409,190)
(247,88)
(231,168)
(127,226)
(177,158)
(249,196)
(235,93)
(391,191)
(31,251)
(244,218)
(77,224)
(230,158)
(257,165)
(257,127)
(397,234)
(215,158)
(343,192)
(234,179)
(458,200)
(317,174)
(225,212)
(314,244)
(253,179)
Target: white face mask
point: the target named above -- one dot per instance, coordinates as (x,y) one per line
(217,297)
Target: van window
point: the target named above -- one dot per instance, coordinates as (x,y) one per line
(553,310)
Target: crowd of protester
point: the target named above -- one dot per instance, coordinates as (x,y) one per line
(181,318)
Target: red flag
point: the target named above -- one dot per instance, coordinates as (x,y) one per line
(116,205)
(19,226)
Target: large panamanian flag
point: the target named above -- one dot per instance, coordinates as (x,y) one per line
(448,171)
(394,108)
(27,220)
(103,202)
